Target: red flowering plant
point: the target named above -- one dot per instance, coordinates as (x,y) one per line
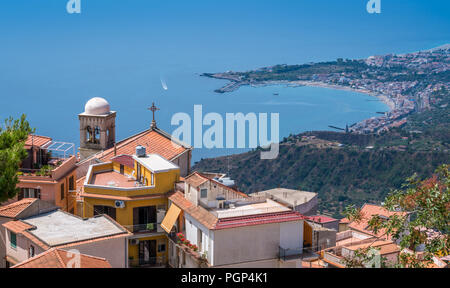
(180,238)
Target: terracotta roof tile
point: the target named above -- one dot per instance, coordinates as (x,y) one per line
(126,160)
(267,218)
(155,141)
(14,209)
(344,221)
(208,220)
(199,213)
(321,219)
(19,227)
(367,211)
(386,247)
(37,141)
(196,179)
(58,258)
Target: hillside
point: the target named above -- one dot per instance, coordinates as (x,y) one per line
(340,166)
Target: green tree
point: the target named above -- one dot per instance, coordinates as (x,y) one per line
(12,152)
(427,204)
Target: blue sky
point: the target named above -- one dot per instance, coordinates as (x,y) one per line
(229,26)
(52,62)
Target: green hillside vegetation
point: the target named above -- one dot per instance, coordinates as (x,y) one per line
(348,173)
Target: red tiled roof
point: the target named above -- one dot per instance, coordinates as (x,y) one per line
(199,213)
(367,211)
(344,221)
(260,219)
(321,219)
(126,160)
(154,140)
(36,141)
(208,220)
(58,258)
(14,209)
(196,179)
(20,227)
(386,247)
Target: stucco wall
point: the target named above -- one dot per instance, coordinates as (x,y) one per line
(2,242)
(192,227)
(254,243)
(184,162)
(113,250)
(309,208)
(20,253)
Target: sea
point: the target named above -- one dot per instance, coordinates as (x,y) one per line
(134,53)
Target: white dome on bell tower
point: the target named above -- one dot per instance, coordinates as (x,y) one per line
(97,127)
(97,106)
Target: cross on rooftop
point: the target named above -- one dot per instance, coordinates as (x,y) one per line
(153,109)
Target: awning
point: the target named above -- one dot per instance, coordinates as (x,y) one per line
(171,218)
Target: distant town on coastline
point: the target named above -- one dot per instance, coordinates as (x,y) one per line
(407,83)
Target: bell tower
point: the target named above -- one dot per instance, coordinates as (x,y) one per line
(97,127)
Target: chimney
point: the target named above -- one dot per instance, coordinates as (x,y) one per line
(115,149)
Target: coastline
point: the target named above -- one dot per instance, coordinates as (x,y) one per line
(235,84)
(383,98)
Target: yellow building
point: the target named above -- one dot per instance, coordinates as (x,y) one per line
(134,191)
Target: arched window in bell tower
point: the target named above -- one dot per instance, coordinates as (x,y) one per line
(97,135)
(89,138)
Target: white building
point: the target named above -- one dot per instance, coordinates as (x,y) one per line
(231,229)
(99,236)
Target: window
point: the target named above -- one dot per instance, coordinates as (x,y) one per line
(31,252)
(161,247)
(144,219)
(122,169)
(105,210)
(204,193)
(62,191)
(13,239)
(29,193)
(153,179)
(71,184)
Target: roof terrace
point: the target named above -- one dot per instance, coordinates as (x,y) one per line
(248,208)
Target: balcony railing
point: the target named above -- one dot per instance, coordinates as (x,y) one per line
(290,253)
(147,262)
(145,228)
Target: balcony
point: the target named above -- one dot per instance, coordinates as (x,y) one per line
(287,254)
(54,169)
(150,262)
(145,228)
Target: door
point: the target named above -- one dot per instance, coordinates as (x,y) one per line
(147,252)
(147,215)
